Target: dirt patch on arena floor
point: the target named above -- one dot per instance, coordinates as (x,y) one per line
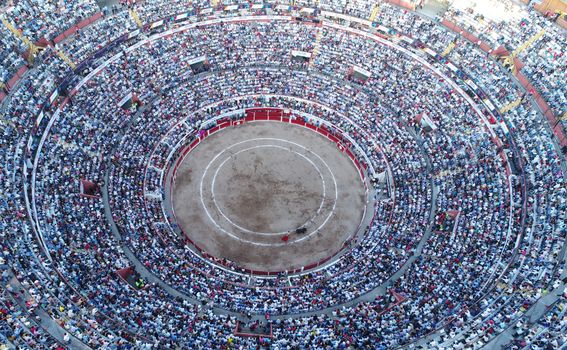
(245,188)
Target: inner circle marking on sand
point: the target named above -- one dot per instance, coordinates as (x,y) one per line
(258,243)
(268,146)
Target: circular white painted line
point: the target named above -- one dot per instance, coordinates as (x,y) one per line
(268,233)
(219,227)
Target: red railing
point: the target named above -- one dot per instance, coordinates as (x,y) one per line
(74,29)
(14,80)
(401,3)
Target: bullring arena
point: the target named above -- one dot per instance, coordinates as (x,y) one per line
(245,192)
(305,175)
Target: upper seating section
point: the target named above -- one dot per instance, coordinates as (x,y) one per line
(46,19)
(544,59)
(96,36)
(151,11)
(10,55)
(28,23)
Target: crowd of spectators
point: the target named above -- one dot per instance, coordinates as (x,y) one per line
(96,36)
(208,87)
(545,60)
(483,194)
(47,19)
(549,332)
(10,56)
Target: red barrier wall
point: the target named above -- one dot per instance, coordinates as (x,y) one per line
(264,113)
(14,80)
(466,34)
(72,30)
(452,26)
(405,4)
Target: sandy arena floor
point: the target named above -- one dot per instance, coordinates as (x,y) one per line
(244,188)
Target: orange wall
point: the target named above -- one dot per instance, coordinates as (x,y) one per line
(551,5)
(562,22)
